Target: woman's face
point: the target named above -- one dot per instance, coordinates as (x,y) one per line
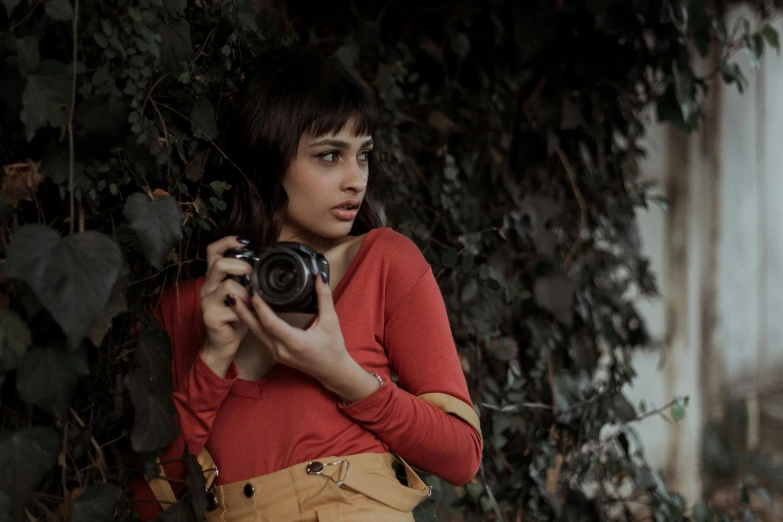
(327,173)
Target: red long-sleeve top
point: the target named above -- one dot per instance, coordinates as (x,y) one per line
(392,315)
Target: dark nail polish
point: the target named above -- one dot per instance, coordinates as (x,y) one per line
(250,291)
(230,300)
(243,240)
(245,280)
(325,277)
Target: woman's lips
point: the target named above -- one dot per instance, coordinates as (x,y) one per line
(345,215)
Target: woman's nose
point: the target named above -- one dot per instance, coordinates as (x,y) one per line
(356,177)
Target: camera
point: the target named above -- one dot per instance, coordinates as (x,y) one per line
(284,275)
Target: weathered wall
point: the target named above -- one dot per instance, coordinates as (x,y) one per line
(718,255)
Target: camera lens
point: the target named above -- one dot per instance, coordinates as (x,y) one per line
(280,278)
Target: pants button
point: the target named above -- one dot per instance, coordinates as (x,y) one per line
(249,490)
(314,468)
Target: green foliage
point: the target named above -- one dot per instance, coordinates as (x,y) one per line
(511,135)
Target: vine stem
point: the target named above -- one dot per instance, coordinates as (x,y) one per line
(582,205)
(554,391)
(205,135)
(72,108)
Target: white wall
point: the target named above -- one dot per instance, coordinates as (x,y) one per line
(719,260)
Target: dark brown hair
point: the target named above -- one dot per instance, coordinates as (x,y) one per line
(289,91)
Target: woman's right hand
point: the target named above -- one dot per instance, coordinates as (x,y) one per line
(224,329)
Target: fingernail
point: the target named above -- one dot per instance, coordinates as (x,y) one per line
(230,300)
(243,240)
(324,277)
(246,280)
(250,291)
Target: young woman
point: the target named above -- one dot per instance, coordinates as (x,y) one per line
(299,414)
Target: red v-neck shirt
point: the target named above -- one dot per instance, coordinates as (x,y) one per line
(392,315)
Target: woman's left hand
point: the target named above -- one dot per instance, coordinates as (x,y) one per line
(318,351)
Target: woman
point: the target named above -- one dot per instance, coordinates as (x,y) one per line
(298,413)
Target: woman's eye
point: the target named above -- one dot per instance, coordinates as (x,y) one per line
(329,156)
(365,155)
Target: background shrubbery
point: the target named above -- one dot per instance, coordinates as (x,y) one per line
(511,142)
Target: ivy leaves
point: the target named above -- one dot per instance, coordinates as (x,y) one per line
(47,377)
(48,90)
(26,456)
(157,224)
(150,385)
(681,101)
(72,276)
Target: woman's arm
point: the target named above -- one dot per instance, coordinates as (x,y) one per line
(420,345)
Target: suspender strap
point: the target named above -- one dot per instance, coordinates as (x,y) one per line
(161,487)
(455,407)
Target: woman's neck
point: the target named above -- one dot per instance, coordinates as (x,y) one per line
(316,242)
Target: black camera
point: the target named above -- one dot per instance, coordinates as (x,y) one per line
(284,275)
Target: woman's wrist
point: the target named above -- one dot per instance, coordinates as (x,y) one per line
(216,362)
(351,382)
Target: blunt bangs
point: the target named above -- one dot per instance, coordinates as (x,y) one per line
(303,93)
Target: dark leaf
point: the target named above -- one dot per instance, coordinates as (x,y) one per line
(202,118)
(635,441)
(555,293)
(10,5)
(701,23)
(505,348)
(5,507)
(682,89)
(48,377)
(460,44)
(154,425)
(29,56)
(26,456)
(732,73)
(15,338)
(701,513)
(448,257)
(101,120)
(770,34)
(246,16)
(157,223)
(175,7)
(59,9)
(182,511)
(72,276)
(175,45)
(116,305)
(668,108)
(56,165)
(153,353)
(623,409)
(96,504)
(45,99)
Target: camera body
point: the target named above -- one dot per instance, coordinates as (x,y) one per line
(284,275)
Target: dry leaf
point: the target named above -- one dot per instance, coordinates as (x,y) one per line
(21,181)
(195,169)
(441,122)
(553,474)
